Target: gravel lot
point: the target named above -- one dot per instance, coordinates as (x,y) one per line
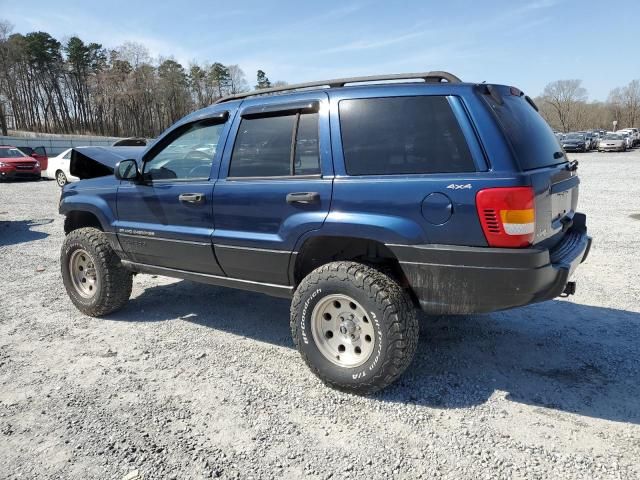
(193,381)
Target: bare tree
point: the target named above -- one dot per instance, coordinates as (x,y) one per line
(564,97)
(5,30)
(134,53)
(238,80)
(631,103)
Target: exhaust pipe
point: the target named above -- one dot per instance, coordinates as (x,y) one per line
(569,289)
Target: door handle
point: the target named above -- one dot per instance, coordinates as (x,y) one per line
(191,198)
(303,197)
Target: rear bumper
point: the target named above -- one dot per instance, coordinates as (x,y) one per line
(448,279)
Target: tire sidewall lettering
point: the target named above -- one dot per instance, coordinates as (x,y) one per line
(303,317)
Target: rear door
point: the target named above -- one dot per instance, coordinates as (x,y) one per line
(167,218)
(275,184)
(540,157)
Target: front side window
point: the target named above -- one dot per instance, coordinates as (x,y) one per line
(402,135)
(188,156)
(276,146)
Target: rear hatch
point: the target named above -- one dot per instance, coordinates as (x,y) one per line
(541,158)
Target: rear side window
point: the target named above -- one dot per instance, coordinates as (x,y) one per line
(531,138)
(402,135)
(276,146)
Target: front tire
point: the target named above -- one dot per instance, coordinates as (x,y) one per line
(95,280)
(61,178)
(354,326)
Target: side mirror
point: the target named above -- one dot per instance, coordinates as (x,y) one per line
(126,170)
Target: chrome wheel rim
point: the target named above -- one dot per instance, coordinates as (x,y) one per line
(83,273)
(61,179)
(342,331)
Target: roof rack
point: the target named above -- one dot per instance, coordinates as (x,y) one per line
(428,77)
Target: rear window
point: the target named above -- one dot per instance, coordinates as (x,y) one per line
(402,135)
(530,136)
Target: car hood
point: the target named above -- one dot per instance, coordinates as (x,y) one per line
(93,162)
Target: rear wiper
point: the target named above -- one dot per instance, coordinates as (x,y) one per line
(572,166)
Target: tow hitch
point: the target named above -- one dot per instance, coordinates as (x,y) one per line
(569,289)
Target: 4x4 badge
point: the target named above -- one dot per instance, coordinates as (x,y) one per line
(456,186)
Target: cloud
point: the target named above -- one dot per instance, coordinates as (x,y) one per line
(371,44)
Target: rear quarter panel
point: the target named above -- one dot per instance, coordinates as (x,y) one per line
(388,208)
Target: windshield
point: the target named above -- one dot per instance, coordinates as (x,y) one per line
(612,137)
(574,137)
(11,153)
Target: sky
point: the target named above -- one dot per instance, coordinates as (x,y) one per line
(526,43)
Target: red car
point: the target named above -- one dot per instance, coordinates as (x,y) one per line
(39,153)
(15,164)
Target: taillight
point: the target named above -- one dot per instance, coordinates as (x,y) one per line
(507,216)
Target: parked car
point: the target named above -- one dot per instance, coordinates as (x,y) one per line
(627,138)
(16,164)
(575,142)
(39,153)
(58,169)
(590,140)
(359,202)
(612,142)
(633,134)
(131,142)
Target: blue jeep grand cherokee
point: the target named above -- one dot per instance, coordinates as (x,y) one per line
(358,201)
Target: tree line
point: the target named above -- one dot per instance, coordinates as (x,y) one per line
(565,106)
(78,87)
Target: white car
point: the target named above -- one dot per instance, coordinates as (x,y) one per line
(58,169)
(633,133)
(627,138)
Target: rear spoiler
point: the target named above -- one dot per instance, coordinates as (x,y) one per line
(92,162)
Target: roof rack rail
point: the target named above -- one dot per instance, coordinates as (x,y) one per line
(428,77)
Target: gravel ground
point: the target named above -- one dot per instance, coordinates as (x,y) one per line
(193,381)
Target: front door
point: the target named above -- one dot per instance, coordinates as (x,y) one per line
(166,218)
(275,184)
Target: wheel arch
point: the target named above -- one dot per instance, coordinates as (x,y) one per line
(76,219)
(317,250)
(85,211)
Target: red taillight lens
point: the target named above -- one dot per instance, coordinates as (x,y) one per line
(507,216)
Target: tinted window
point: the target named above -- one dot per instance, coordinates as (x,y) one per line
(188,156)
(402,135)
(263,147)
(531,138)
(307,160)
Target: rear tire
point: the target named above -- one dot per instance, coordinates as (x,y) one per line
(61,178)
(95,280)
(354,326)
